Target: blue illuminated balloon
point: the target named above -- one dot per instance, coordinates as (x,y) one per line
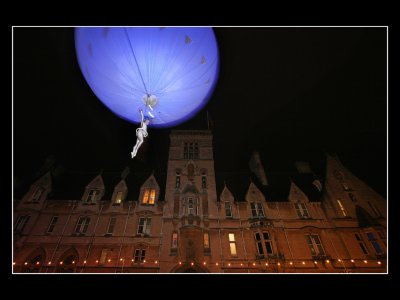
(169,72)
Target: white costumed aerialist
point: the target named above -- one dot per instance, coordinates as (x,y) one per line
(141,133)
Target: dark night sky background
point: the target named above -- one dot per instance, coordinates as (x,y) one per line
(291,93)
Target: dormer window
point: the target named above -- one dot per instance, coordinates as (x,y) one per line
(149,196)
(92,195)
(301,210)
(256,210)
(118,198)
(37,194)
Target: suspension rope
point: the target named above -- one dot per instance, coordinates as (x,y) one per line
(137,65)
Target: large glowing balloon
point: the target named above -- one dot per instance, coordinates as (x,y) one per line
(169,72)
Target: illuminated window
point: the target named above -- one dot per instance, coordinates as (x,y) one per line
(301,210)
(140,255)
(361,243)
(149,196)
(178,181)
(206,240)
(315,244)
(174,243)
(144,226)
(265,240)
(82,225)
(204,181)
(256,209)
(191,206)
(118,197)
(232,244)
(373,208)
(374,242)
(228,209)
(21,222)
(37,194)
(91,197)
(103,256)
(52,224)
(111,225)
(342,208)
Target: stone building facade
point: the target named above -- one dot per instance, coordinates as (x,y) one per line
(193,220)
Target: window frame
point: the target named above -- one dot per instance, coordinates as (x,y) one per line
(92,197)
(361,243)
(112,221)
(149,196)
(84,224)
(52,224)
(232,244)
(342,208)
(139,255)
(374,242)
(118,200)
(23,219)
(313,245)
(302,210)
(228,209)
(35,197)
(257,207)
(145,228)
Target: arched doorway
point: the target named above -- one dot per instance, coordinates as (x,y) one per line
(35,261)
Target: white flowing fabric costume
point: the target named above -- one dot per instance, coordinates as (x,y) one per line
(141,133)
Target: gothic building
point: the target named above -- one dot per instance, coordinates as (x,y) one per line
(190,219)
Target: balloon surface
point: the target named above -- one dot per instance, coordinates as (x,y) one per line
(168,72)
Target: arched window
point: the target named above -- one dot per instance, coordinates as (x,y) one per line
(35,262)
(68,262)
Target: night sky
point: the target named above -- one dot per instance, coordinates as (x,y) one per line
(291,93)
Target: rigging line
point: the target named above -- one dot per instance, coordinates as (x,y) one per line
(134,56)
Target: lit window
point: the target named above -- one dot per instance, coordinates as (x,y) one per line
(301,210)
(118,197)
(204,181)
(373,208)
(174,243)
(375,244)
(206,240)
(37,194)
(91,197)
(315,244)
(361,243)
(149,196)
(21,222)
(111,225)
(140,255)
(256,209)
(82,225)
(103,256)
(144,226)
(232,244)
(52,224)
(192,206)
(228,209)
(342,209)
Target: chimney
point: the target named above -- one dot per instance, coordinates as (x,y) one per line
(257,168)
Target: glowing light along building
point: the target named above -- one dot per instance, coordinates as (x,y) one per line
(192,220)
